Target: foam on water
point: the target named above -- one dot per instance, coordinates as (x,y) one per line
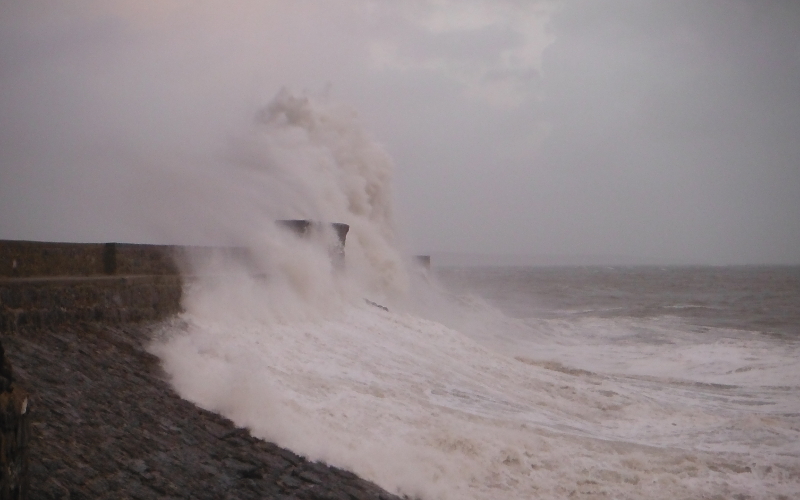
(445,397)
(422,409)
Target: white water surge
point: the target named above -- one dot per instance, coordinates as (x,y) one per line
(488,407)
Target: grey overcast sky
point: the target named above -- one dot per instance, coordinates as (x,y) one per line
(662,131)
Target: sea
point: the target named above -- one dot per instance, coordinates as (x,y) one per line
(482,382)
(558,382)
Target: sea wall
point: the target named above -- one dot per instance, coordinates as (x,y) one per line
(40,302)
(25,259)
(47,283)
(51,283)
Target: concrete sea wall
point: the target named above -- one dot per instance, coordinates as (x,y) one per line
(49,283)
(46,283)
(26,259)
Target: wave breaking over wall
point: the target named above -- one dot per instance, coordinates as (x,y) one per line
(288,347)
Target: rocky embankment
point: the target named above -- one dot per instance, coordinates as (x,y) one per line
(106,424)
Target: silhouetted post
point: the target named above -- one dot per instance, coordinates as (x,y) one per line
(338,251)
(110,258)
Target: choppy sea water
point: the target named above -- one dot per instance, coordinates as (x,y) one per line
(520,383)
(762,299)
(698,322)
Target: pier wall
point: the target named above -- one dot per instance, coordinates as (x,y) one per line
(47,283)
(26,259)
(50,283)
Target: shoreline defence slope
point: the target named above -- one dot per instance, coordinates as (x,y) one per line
(75,321)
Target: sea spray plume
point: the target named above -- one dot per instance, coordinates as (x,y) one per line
(277,341)
(344,176)
(311,160)
(301,360)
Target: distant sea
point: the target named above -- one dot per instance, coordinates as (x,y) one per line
(764,300)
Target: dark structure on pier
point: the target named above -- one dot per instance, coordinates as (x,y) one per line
(307,228)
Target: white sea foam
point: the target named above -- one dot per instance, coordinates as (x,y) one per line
(443,396)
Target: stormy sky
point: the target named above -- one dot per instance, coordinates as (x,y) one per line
(647,131)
